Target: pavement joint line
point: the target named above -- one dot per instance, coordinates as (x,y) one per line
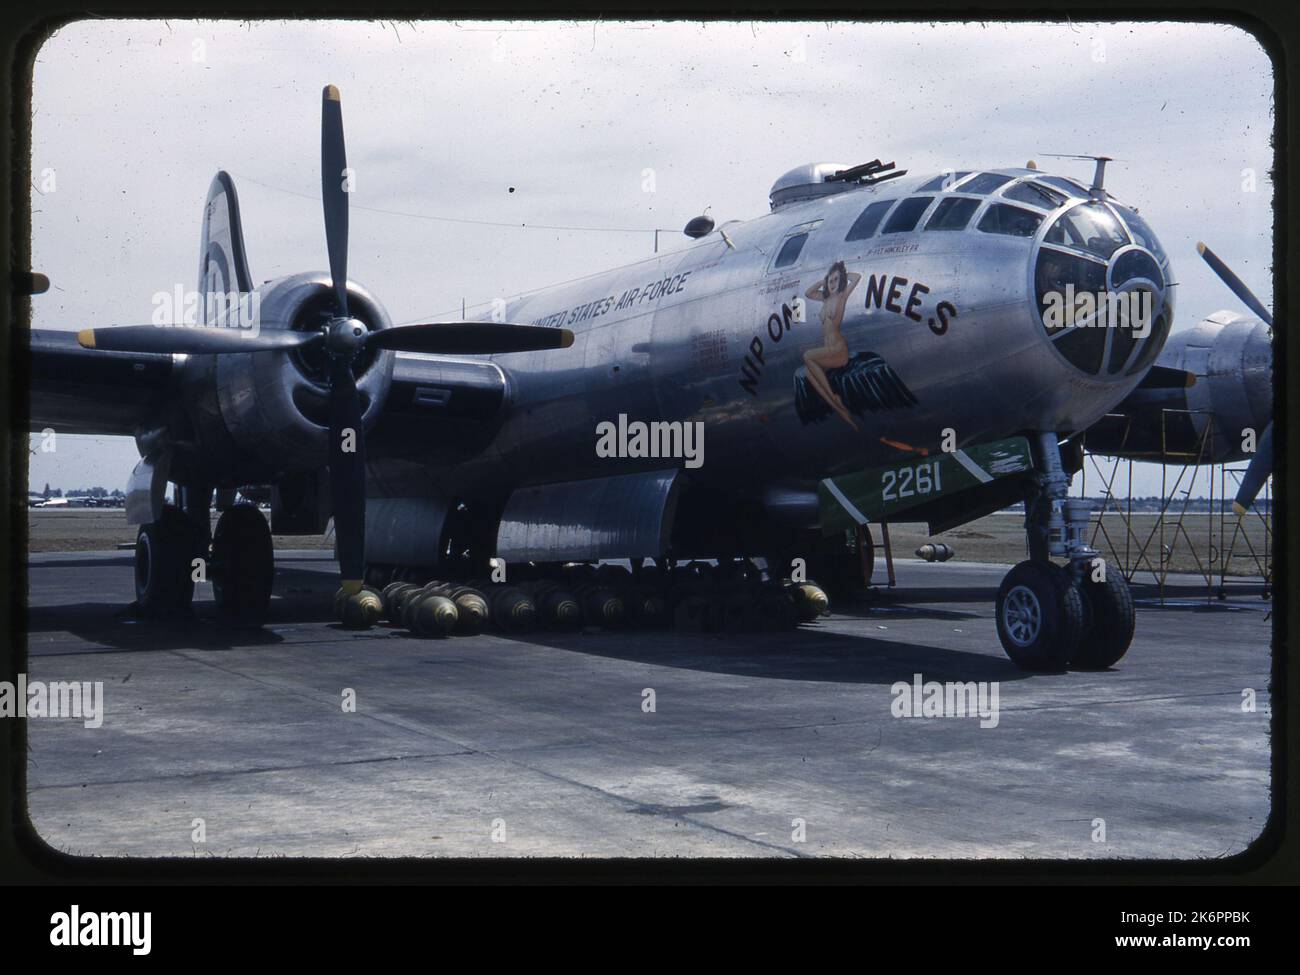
(257,770)
(472,748)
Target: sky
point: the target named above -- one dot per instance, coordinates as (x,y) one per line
(618,128)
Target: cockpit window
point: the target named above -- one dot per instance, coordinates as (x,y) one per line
(906,214)
(869,220)
(1001,218)
(1036,194)
(1069,185)
(1058,279)
(952,213)
(790,250)
(944,181)
(1136,264)
(1142,233)
(985,183)
(1090,227)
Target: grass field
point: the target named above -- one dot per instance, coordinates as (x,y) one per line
(1000,538)
(100,529)
(996,538)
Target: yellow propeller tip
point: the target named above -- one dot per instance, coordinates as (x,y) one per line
(331,93)
(86,338)
(566,338)
(1200,247)
(1238,510)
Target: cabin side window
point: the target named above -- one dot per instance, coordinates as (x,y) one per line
(790,250)
(1002,218)
(952,213)
(906,214)
(867,222)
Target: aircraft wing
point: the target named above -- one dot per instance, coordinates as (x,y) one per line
(93,391)
(77,390)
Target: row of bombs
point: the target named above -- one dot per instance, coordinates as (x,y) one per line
(438,609)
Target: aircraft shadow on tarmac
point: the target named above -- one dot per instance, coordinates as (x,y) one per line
(804,654)
(301,596)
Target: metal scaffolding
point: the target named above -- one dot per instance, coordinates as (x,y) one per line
(1205,544)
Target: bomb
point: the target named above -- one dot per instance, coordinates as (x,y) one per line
(392,594)
(472,612)
(431,614)
(810,600)
(512,609)
(399,596)
(645,606)
(359,610)
(600,606)
(935,552)
(557,606)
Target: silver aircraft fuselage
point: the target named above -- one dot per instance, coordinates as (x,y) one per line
(712,333)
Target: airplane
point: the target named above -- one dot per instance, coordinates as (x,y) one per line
(1208,398)
(877,343)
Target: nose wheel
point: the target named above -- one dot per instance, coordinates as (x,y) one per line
(1040,616)
(1049,616)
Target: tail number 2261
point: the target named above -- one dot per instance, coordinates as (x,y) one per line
(906,482)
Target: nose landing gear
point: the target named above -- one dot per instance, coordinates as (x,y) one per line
(1050,617)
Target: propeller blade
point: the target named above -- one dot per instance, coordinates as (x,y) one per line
(333,161)
(1235,284)
(470,338)
(1162,377)
(347,465)
(1261,466)
(192,340)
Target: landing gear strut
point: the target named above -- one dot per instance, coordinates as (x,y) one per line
(1049,616)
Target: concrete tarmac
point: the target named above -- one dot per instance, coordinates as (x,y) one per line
(220,741)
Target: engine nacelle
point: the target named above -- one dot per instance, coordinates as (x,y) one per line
(1232,359)
(258,416)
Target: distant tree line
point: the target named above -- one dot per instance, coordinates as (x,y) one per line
(92,492)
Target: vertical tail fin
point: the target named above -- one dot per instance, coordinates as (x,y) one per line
(223,264)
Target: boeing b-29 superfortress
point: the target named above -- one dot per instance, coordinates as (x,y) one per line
(879,345)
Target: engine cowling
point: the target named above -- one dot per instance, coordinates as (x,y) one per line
(259,416)
(1231,357)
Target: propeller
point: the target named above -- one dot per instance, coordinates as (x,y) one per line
(1261,465)
(1235,284)
(344,339)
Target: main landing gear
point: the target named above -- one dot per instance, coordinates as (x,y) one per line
(173,552)
(1049,616)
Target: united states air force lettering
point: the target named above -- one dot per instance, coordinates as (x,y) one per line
(631,298)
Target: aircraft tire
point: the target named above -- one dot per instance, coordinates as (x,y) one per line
(1111,618)
(1040,616)
(243,564)
(163,575)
